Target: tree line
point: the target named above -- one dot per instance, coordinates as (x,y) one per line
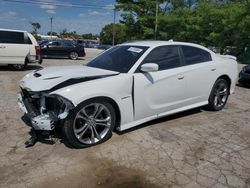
(219,23)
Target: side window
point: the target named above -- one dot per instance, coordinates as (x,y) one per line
(167,57)
(54,44)
(27,39)
(195,55)
(67,44)
(11,37)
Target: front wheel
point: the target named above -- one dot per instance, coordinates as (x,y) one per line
(73,55)
(219,95)
(91,123)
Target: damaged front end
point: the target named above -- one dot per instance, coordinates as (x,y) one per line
(42,110)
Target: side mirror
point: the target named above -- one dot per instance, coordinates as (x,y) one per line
(149,67)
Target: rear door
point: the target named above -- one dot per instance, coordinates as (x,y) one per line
(200,73)
(51,49)
(67,47)
(13,47)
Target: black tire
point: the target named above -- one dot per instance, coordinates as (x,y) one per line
(73,55)
(219,95)
(70,124)
(19,67)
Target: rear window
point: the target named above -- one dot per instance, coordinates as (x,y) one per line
(68,43)
(28,41)
(12,37)
(195,55)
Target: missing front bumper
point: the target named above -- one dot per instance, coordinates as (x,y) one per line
(44,121)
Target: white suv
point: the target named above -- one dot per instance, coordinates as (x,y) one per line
(18,48)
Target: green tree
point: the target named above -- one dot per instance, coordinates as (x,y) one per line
(138,17)
(106,35)
(64,31)
(217,23)
(37,37)
(35,26)
(88,36)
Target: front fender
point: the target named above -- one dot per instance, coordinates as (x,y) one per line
(117,88)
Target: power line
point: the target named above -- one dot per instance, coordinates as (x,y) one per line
(65,4)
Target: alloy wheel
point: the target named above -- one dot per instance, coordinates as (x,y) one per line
(92,123)
(73,55)
(220,94)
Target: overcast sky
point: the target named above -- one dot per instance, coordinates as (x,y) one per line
(89,19)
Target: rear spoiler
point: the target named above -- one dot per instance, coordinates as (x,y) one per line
(229,57)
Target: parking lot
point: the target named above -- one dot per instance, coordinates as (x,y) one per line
(197,148)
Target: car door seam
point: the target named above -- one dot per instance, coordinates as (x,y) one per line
(133,95)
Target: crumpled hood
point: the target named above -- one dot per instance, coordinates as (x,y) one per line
(50,77)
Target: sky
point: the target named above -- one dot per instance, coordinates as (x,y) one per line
(90,18)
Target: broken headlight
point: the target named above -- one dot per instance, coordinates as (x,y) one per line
(57,105)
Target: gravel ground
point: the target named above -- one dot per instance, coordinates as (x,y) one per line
(197,148)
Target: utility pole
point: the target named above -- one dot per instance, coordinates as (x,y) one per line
(113,40)
(156,18)
(51,21)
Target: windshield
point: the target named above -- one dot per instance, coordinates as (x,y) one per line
(119,58)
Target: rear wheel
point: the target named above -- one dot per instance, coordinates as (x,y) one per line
(91,123)
(73,55)
(219,95)
(19,67)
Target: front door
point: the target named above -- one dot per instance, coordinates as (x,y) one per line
(161,91)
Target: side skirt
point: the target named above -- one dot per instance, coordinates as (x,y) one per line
(138,122)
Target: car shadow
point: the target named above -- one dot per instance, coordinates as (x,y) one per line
(50,138)
(28,68)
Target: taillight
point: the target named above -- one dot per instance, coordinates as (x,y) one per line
(38,50)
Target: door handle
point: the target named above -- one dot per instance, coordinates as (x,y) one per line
(214,69)
(180,77)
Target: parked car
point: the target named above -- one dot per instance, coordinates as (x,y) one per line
(62,48)
(246,55)
(214,49)
(43,42)
(91,44)
(81,43)
(18,49)
(244,76)
(125,86)
(104,46)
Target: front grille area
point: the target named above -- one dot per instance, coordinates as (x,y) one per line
(33,101)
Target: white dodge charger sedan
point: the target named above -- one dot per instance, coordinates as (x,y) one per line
(125,86)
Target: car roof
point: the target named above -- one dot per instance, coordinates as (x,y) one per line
(61,40)
(13,30)
(155,43)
